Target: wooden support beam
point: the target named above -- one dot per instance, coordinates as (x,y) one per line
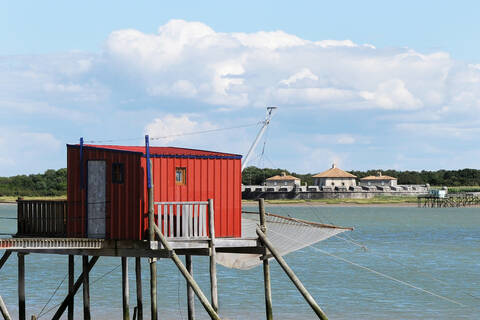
(206,304)
(138,311)
(3,310)
(151,237)
(4,258)
(153,288)
(266,266)
(86,289)
(21,286)
(76,287)
(71,280)
(306,295)
(190,293)
(213,260)
(125,290)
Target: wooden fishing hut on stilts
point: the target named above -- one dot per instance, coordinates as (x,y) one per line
(147,202)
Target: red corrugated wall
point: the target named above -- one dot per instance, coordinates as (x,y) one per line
(215,178)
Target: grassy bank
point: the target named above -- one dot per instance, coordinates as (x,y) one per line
(11,199)
(380,200)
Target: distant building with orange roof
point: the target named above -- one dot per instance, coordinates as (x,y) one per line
(378,180)
(283,180)
(335,177)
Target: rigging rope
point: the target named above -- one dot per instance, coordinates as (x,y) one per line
(175,135)
(375,271)
(411,268)
(96,280)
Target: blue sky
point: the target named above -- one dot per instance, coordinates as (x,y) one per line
(368,85)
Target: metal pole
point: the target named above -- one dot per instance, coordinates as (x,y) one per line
(190,293)
(266,266)
(21,286)
(206,304)
(125,290)
(213,260)
(306,295)
(138,275)
(71,280)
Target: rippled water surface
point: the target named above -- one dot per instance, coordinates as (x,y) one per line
(436,250)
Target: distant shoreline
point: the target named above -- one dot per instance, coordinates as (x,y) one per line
(323,204)
(295,203)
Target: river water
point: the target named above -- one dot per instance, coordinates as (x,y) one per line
(436,250)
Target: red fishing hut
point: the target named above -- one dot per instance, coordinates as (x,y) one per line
(107,189)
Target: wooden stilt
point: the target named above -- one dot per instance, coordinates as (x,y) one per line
(306,295)
(151,237)
(76,287)
(125,290)
(190,293)
(3,310)
(206,304)
(153,288)
(213,261)
(4,258)
(86,289)
(21,286)
(71,279)
(138,311)
(266,266)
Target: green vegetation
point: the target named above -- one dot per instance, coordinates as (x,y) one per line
(256,176)
(50,183)
(450,178)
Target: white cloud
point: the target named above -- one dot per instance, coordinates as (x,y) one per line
(305,73)
(191,60)
(392,94)
(170,128)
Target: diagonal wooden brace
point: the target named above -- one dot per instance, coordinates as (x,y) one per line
(76,286)
(203,299)
(4,258)
(306,295)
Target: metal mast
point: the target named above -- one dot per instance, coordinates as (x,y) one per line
(259,136)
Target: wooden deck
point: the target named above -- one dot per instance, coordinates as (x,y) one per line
(129,248)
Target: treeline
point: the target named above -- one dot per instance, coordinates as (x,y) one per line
(50,183)
(450,178)
(54,182)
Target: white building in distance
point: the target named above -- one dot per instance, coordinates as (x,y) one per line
(282,180)
(378,180)
(335,177)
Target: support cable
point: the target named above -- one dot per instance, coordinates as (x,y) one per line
(376,272)
(174,135)
(96,280)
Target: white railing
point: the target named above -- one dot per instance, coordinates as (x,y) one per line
(183,219)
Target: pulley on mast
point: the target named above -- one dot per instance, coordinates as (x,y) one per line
(265,123)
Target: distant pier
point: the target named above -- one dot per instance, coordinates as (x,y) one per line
(449,201)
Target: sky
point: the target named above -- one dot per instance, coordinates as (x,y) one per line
(363,84)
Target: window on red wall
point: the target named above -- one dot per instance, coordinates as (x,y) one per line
(181,176)
(118,173)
